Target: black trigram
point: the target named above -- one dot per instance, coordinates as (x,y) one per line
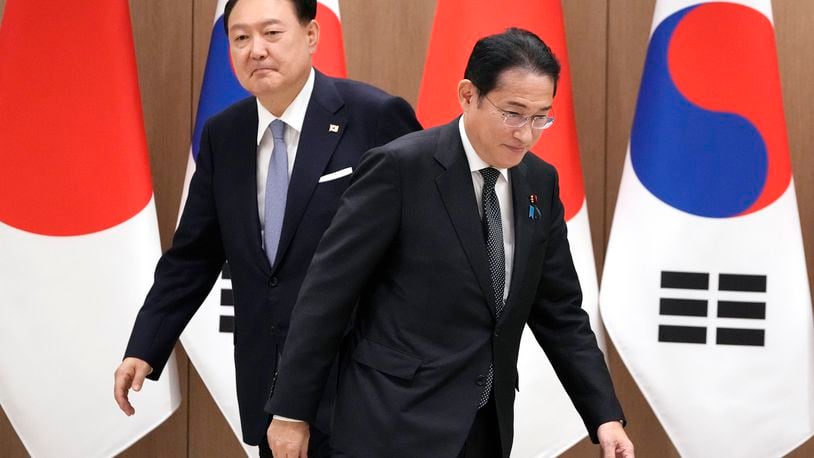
(671,304)
(227,299)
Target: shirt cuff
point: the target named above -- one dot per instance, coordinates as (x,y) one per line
(279,417)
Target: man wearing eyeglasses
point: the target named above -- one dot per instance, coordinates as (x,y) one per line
(450,241)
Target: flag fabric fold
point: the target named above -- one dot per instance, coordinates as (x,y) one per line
(704,292)
(78,229)
(546,422)
(207,338)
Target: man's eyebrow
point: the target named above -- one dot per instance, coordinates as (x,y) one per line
(523,105)
(241,25)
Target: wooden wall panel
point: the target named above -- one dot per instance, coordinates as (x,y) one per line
(586,35)
(386,42)
(794,21)
(10,444)
(793,24)
(586,28)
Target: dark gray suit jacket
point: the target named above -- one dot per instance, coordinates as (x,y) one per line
(407,244)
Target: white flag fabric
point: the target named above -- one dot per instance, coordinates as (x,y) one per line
(705,292)
(207,338)
(78,230)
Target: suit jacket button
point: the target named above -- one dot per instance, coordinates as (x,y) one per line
(273,330)
(481,380)
(273,282)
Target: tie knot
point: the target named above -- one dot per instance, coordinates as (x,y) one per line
(490,175)
(277,129)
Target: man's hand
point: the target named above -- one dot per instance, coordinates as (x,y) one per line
(613,441)
(129,374)
(288,439)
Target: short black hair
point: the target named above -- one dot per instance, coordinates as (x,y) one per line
(306,11)
(514,48)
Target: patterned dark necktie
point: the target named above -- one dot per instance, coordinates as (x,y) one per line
(493,235)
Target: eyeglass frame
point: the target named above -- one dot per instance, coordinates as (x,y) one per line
(523,120)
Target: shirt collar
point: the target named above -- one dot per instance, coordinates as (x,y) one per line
(293,116)
(475,161)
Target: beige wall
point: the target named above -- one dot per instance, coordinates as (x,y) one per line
(607,41)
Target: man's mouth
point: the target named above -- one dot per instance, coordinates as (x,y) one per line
(262,70)
(516,149)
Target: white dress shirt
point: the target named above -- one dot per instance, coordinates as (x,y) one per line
(503,190)
(293,117)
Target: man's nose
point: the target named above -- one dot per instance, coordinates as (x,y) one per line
(525,133)
(259,50)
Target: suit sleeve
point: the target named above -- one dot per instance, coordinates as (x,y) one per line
(185,273)
(396,118)
(562,328)
(360,233)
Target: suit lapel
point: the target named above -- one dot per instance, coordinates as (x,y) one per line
(523,229)
(458,195)
(245,160)
(316,146)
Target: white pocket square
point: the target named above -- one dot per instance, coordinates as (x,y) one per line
(336,175)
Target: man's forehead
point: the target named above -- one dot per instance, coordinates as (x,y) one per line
(260,12)
(524,88)
(537,99)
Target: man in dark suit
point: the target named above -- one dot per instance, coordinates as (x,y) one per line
(268,179)
(450,240)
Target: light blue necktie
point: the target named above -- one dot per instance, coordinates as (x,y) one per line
(276,191)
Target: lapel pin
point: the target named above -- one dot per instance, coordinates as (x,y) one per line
(333,128)
(534,212)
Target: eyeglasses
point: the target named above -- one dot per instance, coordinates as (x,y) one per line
(516,120)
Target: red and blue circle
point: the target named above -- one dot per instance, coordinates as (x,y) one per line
(709,133)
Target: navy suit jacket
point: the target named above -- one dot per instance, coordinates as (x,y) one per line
(220,223)
(407,243)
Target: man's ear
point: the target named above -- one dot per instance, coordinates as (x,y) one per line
(312,34)
(466,94)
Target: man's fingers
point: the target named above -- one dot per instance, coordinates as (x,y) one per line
(289,448)
(617,449)
(609,447)
(123,379)
(141,373)
(285,450)
(130,374)
(288,438)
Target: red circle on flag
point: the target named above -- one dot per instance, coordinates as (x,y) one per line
(73,149)
(739,75)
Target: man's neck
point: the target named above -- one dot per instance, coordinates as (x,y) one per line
(278,102)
